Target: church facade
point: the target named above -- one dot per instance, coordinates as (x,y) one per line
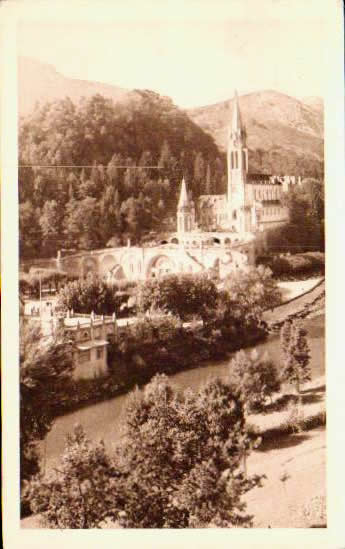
(253,201)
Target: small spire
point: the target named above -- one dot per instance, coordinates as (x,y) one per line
(184,200)
(236,115)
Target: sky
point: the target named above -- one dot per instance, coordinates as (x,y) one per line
(196,56)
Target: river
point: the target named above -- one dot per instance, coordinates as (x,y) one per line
(103,420)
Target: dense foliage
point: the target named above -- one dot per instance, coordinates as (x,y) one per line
(46,279)
(253,290)
(295,266)
(45,366)
(94,294)
(107,192)
(184,295)
(257,377)
(306,228)
(81,491)
(179,465)
(296,354)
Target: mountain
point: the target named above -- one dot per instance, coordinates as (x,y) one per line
(313,102)
(39,82)
(284,134)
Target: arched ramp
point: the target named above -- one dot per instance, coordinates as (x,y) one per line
(160,265)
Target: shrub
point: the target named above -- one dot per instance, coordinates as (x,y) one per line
(257,378)
(81,492)
(184,295)
(253,290)
(295,266)
(178,465)
(45,369)
(296,353)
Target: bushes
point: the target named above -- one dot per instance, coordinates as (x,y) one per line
(252,291)
(178,465)
(29,283)
(184,295)
(257,377)
(94,294)
(297,266)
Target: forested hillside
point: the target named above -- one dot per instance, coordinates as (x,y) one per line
(83,176)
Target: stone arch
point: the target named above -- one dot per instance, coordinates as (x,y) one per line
(162,242)
(216,240)
(129,262)
(160,265)
(107,264)
(89,266)
(117,273)
(227,241)
(174,240)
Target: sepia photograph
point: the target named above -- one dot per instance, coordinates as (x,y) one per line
(171,268)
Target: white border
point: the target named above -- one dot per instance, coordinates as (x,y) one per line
(334,535)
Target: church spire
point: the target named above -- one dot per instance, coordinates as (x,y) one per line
(237,133)
(236,125)
(185,211)
(184,200)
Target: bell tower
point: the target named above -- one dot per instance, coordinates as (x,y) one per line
(237,161)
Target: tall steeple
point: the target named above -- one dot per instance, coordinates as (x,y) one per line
(184,200)
(185,211)
(236,130)
(237,159)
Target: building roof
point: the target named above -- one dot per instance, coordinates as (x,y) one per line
(262,178)
(184,199)
(236,124)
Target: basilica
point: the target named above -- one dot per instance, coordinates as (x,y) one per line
(252,203)
(216,234)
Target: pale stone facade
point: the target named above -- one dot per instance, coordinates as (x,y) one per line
(253,201)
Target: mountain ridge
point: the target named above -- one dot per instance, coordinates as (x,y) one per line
(284,134)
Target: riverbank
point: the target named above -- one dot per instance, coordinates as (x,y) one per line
(171,351)
(276,456)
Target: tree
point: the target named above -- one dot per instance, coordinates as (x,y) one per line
(254,290)
(45,366)
(257,378)
(29,230)
(82,223)
(50,222)
(178,465)
(296,354)
(183,295)
(208,182)
(82,491)
(182,455)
